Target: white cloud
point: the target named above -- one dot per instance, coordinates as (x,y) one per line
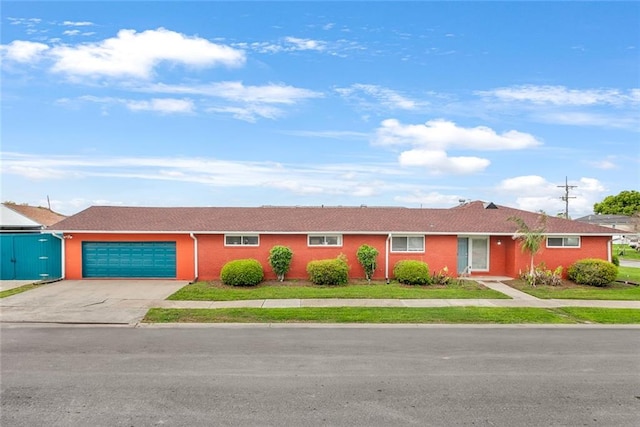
(534,193)
(77,23)
(298,179)
(441,134)
(304,44)
(71,32)
(629,120)
(432,199)
(133,54)
(561,95)
(438,162)
(164,105)
(380,96)
(160,105)
(237,91)
(23,51)
(605,164)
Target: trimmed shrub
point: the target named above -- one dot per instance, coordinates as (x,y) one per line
(615,260)
(411,272)
(593,272)
(329,271)
(280,260)
(242,272)
(367,257)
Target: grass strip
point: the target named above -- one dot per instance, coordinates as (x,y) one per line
(613,292)
(19,290)
(603,315)
(629,273)
(458,315)
(205,291)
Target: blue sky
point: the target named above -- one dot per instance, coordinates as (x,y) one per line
(417,104)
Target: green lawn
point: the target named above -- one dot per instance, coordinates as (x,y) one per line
(570,290)
(629,273)
(457,315)
(14,291)
(629,253)
(215,291)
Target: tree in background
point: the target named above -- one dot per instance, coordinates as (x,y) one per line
(530,238)
(624,203)
(280,260)
(367,257)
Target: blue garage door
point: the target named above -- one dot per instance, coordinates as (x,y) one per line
(129,259)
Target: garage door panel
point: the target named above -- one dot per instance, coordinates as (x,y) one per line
(129,259)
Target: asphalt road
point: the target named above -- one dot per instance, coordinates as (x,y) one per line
(297,376)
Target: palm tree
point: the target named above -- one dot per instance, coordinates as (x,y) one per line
(530,238)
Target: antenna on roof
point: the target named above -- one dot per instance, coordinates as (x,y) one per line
(566,196)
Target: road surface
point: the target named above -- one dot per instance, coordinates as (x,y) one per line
(308,376)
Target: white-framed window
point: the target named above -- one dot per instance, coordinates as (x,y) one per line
(563,242)
(407,243)
(241,240)
(324,240)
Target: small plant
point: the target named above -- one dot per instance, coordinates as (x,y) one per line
(441,277)
(543,276)
(329,271)
(615,260)
(367,257)
(280,260)
(593,272)
(411,272)
(242,272)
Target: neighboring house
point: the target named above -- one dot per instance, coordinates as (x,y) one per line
(26,253)
(43,216)
(188,243)
(622,223)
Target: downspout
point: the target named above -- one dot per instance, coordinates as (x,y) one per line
(386,258)
(195,257)
(62,253)
(609,246)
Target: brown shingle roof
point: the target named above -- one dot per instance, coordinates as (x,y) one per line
(41,215)
(470,218)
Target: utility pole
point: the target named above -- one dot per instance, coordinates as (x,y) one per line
(566,196)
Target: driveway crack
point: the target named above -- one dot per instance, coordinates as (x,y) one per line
(96,303)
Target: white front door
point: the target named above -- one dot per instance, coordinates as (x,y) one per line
(476,252)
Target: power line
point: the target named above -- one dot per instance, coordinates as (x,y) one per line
(566,196)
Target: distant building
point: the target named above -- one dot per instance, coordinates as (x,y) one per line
(43,217)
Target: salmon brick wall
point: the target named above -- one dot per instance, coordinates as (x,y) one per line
(590,247)
(213,255)
(185,264)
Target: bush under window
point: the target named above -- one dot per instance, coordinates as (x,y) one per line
(593,272)
(242,272)
(411,272)
(328,271)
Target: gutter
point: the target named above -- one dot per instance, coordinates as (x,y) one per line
(386,258)
(62,255)
(195,257)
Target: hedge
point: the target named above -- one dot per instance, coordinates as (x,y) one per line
(593,272)
(411,272)
(242,272)
(328,271)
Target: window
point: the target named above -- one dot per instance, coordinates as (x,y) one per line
(407,243)
(241,240)
(563,242)
(325,240)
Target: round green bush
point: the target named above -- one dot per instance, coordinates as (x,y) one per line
(328,271)
(593,272)
(411,272)
(242,272)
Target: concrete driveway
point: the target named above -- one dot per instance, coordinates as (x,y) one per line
(88,301)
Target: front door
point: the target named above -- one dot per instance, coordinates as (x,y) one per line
(473,254)
(463,255)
